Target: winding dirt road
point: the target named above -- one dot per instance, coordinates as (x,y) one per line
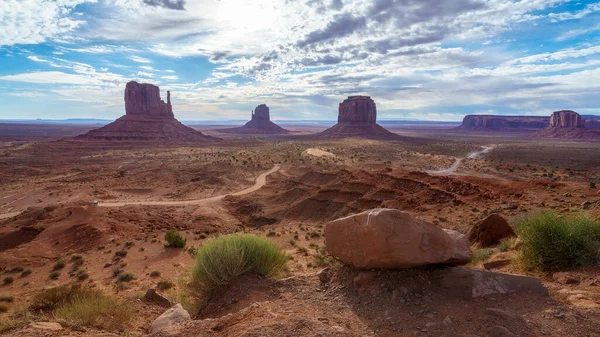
(457,161)
(259,182)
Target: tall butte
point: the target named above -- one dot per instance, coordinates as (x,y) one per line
(567,124)
(148,118)
(260,123)
(357,117)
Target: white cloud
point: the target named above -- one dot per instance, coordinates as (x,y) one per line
(139,59)
(148,68)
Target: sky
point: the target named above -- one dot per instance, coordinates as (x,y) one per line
(418,59)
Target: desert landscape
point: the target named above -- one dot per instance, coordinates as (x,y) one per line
(280,168)
(93,212)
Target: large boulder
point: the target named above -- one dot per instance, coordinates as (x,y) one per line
(566,119)
(170,317)
(389,238)
(490,231)
(359,109)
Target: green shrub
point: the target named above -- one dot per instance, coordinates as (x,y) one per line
(59,265)
(121,253)
(8,280)
(164,285)
(16,269)
(90,308)
(481,255)
(48,299)
(54,275)
(126,277)
(592,185)
(174,239)
(221,260)
(26,272)
(551,242)
(504,246)
(155,273)
(76,257)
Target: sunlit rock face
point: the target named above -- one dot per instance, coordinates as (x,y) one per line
(566,119)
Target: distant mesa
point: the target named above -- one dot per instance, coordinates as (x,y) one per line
(357,117)
(260,123)
(504,123)
(567,124)
(147,118)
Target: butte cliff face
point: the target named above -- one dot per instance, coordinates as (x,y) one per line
(357,117)
(144,99)
(260,123)
(146,118)
(566,119)
(504,123)
(567,124)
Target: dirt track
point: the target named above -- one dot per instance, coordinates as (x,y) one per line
(452,169)
(259,182)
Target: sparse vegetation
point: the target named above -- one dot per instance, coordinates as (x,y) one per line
(16,269)
(592,185)
(322,258)
(551,242)
(7,299)
(59,265)
(481,255)
(164,285)
(121,253)
(76,257)
(221,260)
(126,277)
(54,275)
(26,272)
(504,246)
(175,239)
(8,280)
(90,308)
(155,274)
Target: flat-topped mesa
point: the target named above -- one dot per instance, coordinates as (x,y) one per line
(566,119)
(357,109)
(144,99)
(261,113)
(495,122)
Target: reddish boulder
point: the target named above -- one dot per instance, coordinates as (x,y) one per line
(389,238)
(490,231)
(359,109)
(566,119)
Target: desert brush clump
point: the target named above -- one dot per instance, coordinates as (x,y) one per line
(175,239)
(552,242)
(221,260)
(77,306)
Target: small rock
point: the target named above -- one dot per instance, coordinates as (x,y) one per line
(500,331)
(324,275)
(172,316)
(364,278)
(447,321)
(564,278)
(51,326)
(153,297)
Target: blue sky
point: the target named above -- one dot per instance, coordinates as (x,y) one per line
(418,59)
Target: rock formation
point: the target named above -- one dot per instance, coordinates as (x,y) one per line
(357,109)
(147,117)
(490,231)
(260,123)
(389,238)
(503,123)
(357,117)
(567,124)
(566,119)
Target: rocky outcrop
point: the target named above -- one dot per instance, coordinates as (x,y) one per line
(389,238)
(357,109)
(170,317)
(259,124)
(490,231)
(147,118)
(498,123)
(357,117)
(144,99)
(566,119)
(261,113)
(567,124)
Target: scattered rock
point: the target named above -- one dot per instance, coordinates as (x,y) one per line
(364,278)
(564,278)
(152,296)
(490,231)
(387,238)
(172,316)
(324,275)
(50,326)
